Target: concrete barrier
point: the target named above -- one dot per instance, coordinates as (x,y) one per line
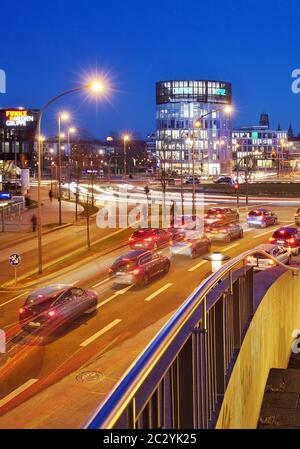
(267,344)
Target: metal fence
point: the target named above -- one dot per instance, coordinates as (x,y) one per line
(179,381)
(11,217)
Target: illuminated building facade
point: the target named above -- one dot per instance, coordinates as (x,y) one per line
(179,104)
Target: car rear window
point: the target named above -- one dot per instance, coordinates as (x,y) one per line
(259,256)
(36,298)
(282,234)
(214,212)
(142,233)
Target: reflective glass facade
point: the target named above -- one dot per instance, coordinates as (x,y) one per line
(178,106)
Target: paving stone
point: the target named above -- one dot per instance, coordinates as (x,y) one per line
(279,399)
(267,416)
(287,417)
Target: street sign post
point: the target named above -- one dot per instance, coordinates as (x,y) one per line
(15,260)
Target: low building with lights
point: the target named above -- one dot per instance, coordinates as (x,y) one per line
(262,145)
(179,145)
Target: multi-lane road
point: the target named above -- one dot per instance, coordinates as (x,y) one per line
(122,314)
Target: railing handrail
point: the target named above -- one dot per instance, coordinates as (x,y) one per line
(114,405)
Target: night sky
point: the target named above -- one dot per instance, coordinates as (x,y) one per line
(49,47)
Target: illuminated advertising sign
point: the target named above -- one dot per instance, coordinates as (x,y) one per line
(219,91)
(18,118)
(5,196)
(182,90)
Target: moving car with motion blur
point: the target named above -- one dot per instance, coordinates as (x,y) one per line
(297,217)
(226,232)
(224,215)
(189,180)
(56,305)
(185,222)
(260,262)
(190,247)
(138,267)
(224,180)
(261,218)
(287,238)
(149,238)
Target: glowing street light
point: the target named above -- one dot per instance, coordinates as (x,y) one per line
(126,138)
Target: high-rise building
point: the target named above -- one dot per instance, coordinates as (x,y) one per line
(179,104)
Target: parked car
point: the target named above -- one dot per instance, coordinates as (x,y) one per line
(189,180)
(190,247)
(224,215)
(138,267)
(56,305)
(261,218)
(260,262)
(225,232)
(149,238)
(287,238)
(297,217)
(224,180)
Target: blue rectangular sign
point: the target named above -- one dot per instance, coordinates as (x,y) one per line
(5,196)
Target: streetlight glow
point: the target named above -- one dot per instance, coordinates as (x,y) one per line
(228,109)
(126,137)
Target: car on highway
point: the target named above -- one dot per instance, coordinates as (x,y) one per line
(224,215)
(185,222)
(56,305)
(149,238)
(297,217)
(189,180)
(224,180)
(138,267)
(190,247)
(261,218)
(260,262)
(288,238)
(225,232)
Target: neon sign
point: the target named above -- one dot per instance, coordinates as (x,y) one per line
(18,118)
(219,91)
(182,90)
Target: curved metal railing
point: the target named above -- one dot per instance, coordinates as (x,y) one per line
(125,398)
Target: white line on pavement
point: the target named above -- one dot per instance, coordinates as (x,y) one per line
(231,246)
(99,333)
(198,265)
(120,292)
(12,299)
(17,391)
(160,290)
(99,283)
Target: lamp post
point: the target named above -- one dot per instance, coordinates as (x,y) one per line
(96,87)
(125,139)
(62,116)
(71,130)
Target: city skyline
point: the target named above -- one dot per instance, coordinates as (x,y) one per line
(133,62)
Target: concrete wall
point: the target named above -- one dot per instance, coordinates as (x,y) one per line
(267,344)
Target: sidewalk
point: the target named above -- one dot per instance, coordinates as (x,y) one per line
(13,234)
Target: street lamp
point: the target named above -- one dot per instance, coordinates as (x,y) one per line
(96,87)
(61,116)
(71,130)
(125,139)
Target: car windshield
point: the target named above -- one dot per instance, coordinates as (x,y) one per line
(51,292)
(259,256)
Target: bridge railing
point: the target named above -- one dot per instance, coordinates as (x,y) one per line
(180,378)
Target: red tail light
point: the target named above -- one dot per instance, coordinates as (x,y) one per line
(219,215)
(223,230)
(21,310)
(272,239)
(130,239)
(205,215)
(282,232)
(136,271)
(292,240)
(51,313)
(110,270)
(148,239)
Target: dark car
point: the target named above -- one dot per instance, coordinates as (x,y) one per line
(287,238)
(225,232)
(138,267)
(261,218)
(222,215)
(149,238)
(184,246)
(189,180)
(224,180)
(56,305)
(297,217)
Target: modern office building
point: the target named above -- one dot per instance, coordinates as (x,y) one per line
(17,135)
(263,145)
(179,105)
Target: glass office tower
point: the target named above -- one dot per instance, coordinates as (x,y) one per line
(179,104)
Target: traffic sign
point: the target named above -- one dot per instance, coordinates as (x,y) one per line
(14,259)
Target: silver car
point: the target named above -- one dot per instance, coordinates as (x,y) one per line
(225,233)
(260,262)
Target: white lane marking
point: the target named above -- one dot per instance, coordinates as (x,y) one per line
(17,391)
(160,290)
(12,299)
(100,283)
(99,333)
(249,230)
(198,265)
(231,246)
(120,292)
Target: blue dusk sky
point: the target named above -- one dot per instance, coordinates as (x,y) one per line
(49,47)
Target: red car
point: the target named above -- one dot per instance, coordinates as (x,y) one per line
(150,238)
(287,238)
